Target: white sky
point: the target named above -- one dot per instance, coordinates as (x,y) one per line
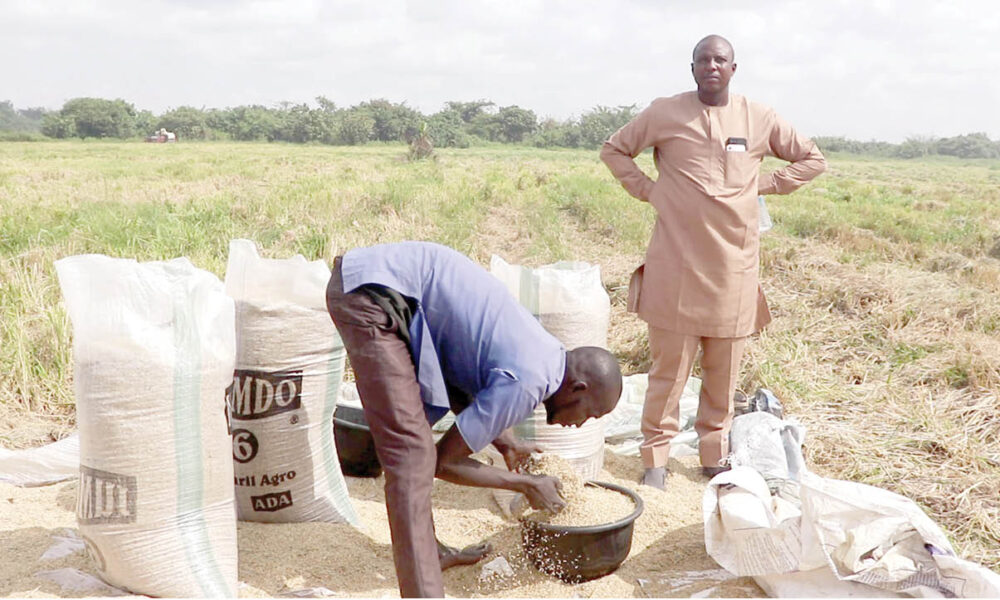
(866,69)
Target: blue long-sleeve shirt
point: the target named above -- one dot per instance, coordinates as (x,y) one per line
(467,329)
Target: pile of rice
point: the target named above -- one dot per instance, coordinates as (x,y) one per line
(585,504)
(667,558)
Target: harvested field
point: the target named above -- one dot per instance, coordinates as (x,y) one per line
(882,276)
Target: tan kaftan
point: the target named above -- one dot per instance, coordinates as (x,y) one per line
(701,271)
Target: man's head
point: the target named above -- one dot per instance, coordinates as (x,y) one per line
(590,388)
(713,63)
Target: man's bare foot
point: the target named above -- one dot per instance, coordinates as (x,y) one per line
(470,555)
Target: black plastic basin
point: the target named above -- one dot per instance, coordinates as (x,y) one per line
(355,445)
(577,554)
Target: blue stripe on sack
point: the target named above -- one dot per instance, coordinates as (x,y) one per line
(334,379)
(188,450)
(528,290)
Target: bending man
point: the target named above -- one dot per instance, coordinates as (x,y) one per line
(426,329)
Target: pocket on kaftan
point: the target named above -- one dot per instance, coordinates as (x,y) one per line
(741,167)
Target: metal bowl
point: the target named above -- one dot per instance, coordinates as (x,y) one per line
(577,554)
(355,444)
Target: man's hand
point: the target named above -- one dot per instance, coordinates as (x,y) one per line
(454,465)
(543,492)
(515,452)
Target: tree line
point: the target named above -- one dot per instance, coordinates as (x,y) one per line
(457,125)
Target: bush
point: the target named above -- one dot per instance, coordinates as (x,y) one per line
(99,118)
(187,122)
(447,130)
(22,136)
(599,124)
(24,120)
(356,128)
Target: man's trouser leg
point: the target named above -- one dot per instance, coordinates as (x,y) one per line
(387,384)
(720,367)
(672,356)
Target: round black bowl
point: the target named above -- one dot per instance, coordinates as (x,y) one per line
(577,554)
(355,445)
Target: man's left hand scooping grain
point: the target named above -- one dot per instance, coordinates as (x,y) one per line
(425,330)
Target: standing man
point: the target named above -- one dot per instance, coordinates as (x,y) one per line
(426,329)
(699,283)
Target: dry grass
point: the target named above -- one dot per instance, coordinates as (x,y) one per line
(896,389)
(882,278)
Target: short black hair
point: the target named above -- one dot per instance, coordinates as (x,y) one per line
(712,37)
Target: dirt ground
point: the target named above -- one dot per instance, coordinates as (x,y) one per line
(667,558)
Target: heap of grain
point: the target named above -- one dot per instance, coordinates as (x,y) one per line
(586,505)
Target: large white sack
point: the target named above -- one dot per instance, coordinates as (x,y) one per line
(567,297)
(570,302)
(289,366)
(153,348)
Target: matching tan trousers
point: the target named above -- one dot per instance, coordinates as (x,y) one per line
(673,355)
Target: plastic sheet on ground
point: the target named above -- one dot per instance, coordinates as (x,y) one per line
(75,581)
(313,592)
(66,543)
(44,465)
(622,425)
(799,534)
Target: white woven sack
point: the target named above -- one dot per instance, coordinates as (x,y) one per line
(567,297)
(153,349)
(289,366)
(571,303)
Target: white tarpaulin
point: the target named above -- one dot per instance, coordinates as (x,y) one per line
(805,535)
(622,425)
(47,464)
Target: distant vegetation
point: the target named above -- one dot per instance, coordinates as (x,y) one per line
(457,125)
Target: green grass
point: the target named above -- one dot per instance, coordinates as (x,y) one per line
(882,276)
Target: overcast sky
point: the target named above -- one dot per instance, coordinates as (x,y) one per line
(866,69)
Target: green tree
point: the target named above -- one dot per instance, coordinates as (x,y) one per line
(187,122)
(469,111)
(447,130)
(392,122)
(252,123)
(973,145)
(356,127)
(597,125)
(485,126)
(913,147)
(59,126)
(564,134)
(515,123)
(325,104)
(11,119)
(100,118)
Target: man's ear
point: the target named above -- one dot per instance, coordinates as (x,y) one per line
(580,386)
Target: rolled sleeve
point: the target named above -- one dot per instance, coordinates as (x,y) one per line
(502,403)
